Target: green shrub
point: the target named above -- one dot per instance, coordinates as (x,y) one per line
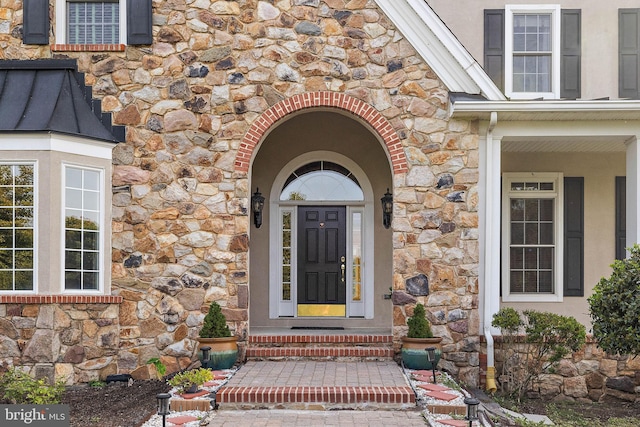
(548,337)
(19,387)
(419,326)
(615,307)
(215,324)
(183,380)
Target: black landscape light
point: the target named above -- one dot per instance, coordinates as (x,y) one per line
(163,406)
(472,409)
(257,203)
(387,209)
(205,356)
(431,357)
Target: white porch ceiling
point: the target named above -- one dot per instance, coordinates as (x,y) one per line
(595,144)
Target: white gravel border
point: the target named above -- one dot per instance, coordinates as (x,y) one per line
(204,417)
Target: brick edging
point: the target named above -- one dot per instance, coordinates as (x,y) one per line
(341,394)
(320,339)
(60,299)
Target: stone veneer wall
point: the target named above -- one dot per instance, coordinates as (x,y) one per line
(589,374)
(180,205)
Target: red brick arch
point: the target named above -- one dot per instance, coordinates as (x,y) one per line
(322,99)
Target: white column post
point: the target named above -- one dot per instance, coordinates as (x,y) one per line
(633,186)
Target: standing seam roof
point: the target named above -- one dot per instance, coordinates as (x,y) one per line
(50,96)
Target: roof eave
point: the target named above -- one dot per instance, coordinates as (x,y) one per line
(437,45)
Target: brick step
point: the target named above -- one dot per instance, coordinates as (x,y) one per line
(271,353)
(315,398)
(349,339)
(320,347)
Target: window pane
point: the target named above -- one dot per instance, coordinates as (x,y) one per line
(530,281)
(546,210)
(516,282)
(546,282)
(546,233)
(16,227)
(82,236)
(356,250)
(517,209)
(531,234)
(531,258)
(546,258)
(93,22)
(517,234)
(517,258)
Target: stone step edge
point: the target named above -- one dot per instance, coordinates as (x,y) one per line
(321,339)
(329,394)
(319,352)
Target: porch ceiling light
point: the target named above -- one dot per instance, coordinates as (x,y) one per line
(257,204)
(387,209)
(163,406)
(472,409)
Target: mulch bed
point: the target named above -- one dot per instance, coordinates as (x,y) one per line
(113,405)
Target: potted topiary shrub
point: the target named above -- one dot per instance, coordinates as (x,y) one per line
(189,381)
(216,334)
(418,339)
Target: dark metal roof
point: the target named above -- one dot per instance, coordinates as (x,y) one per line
(50,96)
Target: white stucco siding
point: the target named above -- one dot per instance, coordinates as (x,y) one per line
(599,35)
(599,171)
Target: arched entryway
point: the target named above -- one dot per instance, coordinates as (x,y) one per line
(342,144)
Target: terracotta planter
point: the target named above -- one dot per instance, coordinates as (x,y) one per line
(224,351)
(414,353)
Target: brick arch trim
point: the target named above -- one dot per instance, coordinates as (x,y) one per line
(321,99)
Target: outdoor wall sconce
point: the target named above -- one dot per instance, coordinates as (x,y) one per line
(472,409)
(431,357)
(387,209)
(163,406)
(205,356)
(257,204)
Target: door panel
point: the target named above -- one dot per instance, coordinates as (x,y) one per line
(322,248)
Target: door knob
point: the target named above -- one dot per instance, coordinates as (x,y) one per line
(342,267)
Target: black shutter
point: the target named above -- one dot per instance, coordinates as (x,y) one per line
(494,45)
(570,54)
(139,23)
(628,44)
(574,237)
(35,22)
(621,217)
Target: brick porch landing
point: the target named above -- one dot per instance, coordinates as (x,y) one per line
(319,385)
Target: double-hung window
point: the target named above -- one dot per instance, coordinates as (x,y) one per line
(532,51)
(17,226)
(532,244)
(93,22)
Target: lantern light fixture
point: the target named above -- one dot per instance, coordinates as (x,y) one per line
(257,204)
(387,209)
(431,358)
(163,406)
(472,409)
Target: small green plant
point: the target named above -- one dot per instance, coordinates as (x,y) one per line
(187,379)
(161,369)
(19,387)
(215,324)
(615,307)
(97,384)
(419,326)
(548,337)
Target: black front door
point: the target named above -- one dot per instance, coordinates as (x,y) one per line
(322,256)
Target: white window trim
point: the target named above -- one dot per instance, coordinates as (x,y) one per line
(558,195)
(279,308)
(554,10)
(36,205)
(61,22)
(101,236)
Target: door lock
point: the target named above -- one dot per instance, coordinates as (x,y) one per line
(342,267)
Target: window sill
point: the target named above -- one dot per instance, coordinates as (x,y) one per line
(60,299)
(88,47)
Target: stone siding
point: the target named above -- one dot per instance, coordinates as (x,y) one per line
(180,204)
(589,374)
